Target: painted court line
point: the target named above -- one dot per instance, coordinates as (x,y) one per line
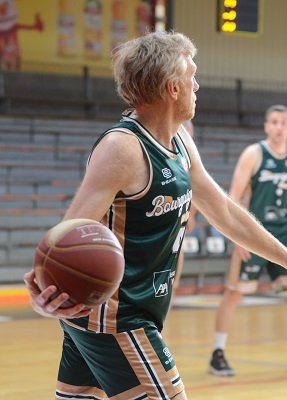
(4,318)
(212,301)
(230,382)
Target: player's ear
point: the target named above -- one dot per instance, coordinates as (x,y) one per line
(172,89)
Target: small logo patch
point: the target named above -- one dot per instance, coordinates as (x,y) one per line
(161,283)
(166,173)
(270,163)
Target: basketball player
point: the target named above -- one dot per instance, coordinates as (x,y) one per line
(261,170)
(140,181)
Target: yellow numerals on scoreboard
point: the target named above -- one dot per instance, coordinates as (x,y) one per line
(239,16)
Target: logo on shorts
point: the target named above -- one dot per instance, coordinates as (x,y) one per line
(252,268)
(167,353)
(244,276)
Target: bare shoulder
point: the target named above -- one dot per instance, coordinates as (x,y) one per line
(118,147)
(120,140)
(250,155)
(120,158)
(252,149)
(116,166)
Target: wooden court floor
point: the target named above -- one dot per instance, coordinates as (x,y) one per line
(30,348)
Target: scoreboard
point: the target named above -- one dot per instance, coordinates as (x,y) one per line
(240,17)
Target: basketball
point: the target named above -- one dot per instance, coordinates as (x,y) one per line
(83,258)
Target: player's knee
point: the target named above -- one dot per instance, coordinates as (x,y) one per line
(233,296)
(180,396)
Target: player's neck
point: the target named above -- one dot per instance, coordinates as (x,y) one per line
(280,149)
(161,128)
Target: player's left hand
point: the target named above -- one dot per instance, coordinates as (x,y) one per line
(44,305)
(244,254)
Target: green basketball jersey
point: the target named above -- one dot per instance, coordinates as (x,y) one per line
(269,191)
(150,226)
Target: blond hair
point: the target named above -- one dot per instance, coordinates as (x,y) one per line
(143,66)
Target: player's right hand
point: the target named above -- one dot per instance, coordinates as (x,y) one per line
(43,304)
(243,253)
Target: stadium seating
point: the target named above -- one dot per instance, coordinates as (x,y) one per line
(42,163)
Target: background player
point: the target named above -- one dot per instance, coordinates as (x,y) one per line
(261,174)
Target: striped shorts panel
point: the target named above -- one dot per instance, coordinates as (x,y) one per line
(133,365)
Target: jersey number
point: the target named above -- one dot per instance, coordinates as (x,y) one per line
(178,240)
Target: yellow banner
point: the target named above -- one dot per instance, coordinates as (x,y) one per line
(67,33)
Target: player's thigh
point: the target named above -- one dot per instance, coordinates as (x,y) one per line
(94,361)
(72,392)
(152,364)
(129,365)
(75,376)
(180,396)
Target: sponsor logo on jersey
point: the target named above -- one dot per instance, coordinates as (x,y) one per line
(276,177)
(168,181)
(162,290)
(270,163)
(166,172)
(172,276)
(165,204)
(161,283)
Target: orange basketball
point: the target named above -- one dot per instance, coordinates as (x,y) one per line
(83,258)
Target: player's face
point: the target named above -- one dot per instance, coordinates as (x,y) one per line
(276,126)
(189,87)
